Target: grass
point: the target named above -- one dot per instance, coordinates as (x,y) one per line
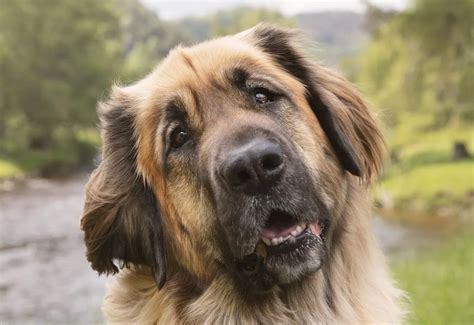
(441,285)
(435,184)
(423,176)
(9,169)
(44,163)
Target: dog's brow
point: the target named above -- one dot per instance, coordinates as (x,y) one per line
(243,79)
(237,77)
(175,110)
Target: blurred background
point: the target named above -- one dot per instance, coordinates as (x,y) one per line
(413,60)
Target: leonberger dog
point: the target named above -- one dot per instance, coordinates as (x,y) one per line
(234,189)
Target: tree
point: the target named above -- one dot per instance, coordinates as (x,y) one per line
(147,39)
(57,57)
(422,60)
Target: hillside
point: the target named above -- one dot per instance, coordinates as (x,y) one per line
(340,34)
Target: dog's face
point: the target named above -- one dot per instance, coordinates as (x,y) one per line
(235,155)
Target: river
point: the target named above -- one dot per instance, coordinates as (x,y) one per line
(44,275)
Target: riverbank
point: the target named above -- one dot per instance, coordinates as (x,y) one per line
(44,275)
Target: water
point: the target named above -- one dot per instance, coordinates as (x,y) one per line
(44,275)
(402,241)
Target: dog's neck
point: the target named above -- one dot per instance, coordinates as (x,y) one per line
(353,286)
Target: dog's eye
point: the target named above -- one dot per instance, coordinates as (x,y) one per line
(179,137)
(263,96)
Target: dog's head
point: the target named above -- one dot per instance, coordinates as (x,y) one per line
(235,155)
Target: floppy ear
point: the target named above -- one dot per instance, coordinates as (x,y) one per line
(121,217)
(341,112)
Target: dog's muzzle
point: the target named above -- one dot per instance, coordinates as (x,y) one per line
(270,212)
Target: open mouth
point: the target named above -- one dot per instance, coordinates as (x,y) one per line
(287,249)
(283,233)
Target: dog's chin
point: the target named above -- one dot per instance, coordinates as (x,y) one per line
(296,257)
(287,251)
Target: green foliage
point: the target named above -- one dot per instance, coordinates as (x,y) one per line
(440,285)
(419,71)
(57,57)
(9,169)
(61,160)
(422,60)
(147,39)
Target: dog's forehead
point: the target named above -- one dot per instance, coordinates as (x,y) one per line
(207,61)
(202,73)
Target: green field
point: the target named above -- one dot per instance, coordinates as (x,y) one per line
(9,169)
(441,284)
(423,177)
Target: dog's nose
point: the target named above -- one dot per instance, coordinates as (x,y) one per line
(254,167)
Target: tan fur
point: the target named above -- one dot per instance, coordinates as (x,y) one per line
(353,286)
(357,276)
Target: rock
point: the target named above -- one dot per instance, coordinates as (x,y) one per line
(460,151)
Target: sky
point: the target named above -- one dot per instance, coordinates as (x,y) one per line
(179,9)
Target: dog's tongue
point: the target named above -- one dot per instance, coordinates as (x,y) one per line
(315,229)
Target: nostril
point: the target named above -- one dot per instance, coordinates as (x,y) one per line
(271,162)
(241,177)
(237,173)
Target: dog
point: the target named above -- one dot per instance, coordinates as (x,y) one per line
(234,189)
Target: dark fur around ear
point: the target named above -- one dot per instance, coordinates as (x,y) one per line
(342,114)
(121,217)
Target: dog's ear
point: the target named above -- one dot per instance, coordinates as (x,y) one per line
(121,217)
(340,110)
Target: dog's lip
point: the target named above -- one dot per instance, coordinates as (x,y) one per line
(292,244)
(298,232)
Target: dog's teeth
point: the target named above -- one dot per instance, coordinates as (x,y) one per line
(267,241)
(278,240)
